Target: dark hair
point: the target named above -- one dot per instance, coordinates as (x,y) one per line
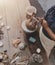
(50,18)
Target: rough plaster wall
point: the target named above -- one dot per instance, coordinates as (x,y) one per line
(46,4)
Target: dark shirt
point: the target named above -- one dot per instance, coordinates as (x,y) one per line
(50,18)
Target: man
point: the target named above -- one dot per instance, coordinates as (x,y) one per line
(47,31)
(48,23)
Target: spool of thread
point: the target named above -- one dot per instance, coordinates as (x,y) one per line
(38,50)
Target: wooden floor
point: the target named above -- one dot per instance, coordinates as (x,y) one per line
(12,13)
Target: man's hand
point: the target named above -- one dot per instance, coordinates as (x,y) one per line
(47,28)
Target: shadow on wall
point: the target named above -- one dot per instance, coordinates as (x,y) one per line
(40,11)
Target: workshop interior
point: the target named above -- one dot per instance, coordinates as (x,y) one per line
(23,36)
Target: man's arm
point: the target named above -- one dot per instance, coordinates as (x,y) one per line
(49,31)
